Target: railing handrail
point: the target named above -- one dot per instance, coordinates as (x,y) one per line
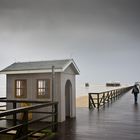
(101,92)
(4,99)
(22,129)
(22,109)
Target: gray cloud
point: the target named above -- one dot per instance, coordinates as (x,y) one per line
(102,36)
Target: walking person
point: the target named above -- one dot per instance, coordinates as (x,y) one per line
(135,91)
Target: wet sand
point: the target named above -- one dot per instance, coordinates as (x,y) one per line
(82,101)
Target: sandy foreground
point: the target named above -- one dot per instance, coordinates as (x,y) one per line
(82,101)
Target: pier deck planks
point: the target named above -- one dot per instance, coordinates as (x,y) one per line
(118,121)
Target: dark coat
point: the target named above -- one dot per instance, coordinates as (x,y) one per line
(135,90)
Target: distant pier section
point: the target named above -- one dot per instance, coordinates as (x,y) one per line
(99,99)
(113,84)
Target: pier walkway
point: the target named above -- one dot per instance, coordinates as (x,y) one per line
(119,120)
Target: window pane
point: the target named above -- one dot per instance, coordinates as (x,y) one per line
(39,84)
(17,84)
(20,88)
(17,91)
(42,88)
(22,84)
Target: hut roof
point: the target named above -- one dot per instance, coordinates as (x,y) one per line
(40,67)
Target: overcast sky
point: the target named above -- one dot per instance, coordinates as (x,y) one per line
(102,36)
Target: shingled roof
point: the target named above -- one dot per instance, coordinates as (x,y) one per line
(40,67)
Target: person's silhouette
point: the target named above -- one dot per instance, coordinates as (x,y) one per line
(135,91)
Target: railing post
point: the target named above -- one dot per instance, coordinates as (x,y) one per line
(25,127)
(23,131)
(111,95)
(114,94)
(104,99)
(89,103)
(56,118)
(14,115)
(98,103)
(118,92)
(108,95)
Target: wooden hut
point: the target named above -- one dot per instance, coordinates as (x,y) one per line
(33,81)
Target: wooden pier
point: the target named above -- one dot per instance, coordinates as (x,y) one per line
(119,120)
(96,100)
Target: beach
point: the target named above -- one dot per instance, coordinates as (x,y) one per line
(82,101)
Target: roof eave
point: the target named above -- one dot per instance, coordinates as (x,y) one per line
(30,71)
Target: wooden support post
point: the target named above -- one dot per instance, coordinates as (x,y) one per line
(55,125)
(23,131)
(104,99)
(14,114)
(53,77)
(89,103)
(115,93)
(98,103)
(111,95)
(108,95)
(118,91)
(25,126)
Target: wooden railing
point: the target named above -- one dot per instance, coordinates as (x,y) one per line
(96,100)
(22,127)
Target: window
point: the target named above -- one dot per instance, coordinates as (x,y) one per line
(43,88)
(20,88)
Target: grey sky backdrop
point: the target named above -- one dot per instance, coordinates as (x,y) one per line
(102,36)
